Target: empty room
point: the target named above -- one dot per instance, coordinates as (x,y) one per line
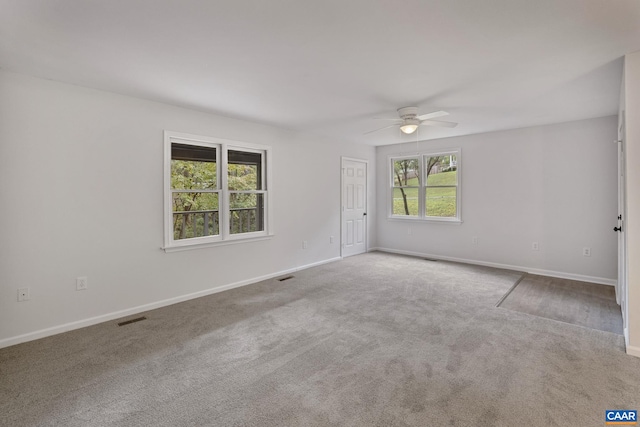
(319,213)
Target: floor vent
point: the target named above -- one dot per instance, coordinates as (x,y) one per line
(430,259)
(285,278)
(127,322)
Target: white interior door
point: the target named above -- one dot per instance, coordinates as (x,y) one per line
(621,287)
(354,207)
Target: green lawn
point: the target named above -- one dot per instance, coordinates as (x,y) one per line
(440,202)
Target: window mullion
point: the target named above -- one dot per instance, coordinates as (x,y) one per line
(422,204)
(195,190)
(263,182)
(223,180)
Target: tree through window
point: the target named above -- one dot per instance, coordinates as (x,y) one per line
(194,191)
(406,186)
(441,186)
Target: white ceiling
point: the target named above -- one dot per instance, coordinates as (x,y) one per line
(332,66)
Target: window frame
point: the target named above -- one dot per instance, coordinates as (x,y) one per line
(422,189)
(222,147)
(418,187)
(263,190)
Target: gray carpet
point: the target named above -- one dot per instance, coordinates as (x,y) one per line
(585,304)
(373,340)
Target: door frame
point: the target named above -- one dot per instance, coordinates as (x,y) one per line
(622,290)
(366,203)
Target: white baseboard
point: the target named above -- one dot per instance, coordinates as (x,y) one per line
(633,351)
(42,333)
(550,273)
(625,332)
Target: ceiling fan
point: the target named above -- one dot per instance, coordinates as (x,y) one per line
(409,120)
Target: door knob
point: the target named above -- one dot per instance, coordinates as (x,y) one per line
(617,228)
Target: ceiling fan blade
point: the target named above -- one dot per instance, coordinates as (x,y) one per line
(376,130)
(438,123)
(432,115)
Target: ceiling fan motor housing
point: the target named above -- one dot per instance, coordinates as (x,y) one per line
(408,112)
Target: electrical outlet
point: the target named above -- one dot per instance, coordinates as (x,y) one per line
(408,231)
(23,294)
(474,240)
(81,283)
(534,246)
(586,251)
(304,244)
(330,239)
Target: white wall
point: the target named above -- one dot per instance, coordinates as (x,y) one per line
(555,185)
(81,195)
(632,107)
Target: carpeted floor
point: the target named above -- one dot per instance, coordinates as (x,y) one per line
(585,304)
(372,340)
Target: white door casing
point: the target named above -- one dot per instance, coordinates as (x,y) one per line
(621,285)
(354,207)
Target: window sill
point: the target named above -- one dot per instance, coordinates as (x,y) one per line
(449,221)
(189,247)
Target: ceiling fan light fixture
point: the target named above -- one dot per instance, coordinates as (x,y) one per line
(408,129)
(409,126)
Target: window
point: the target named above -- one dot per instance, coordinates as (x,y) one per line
(441,189)
(216,191)
(406,186)
(426,186)
(195,196)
